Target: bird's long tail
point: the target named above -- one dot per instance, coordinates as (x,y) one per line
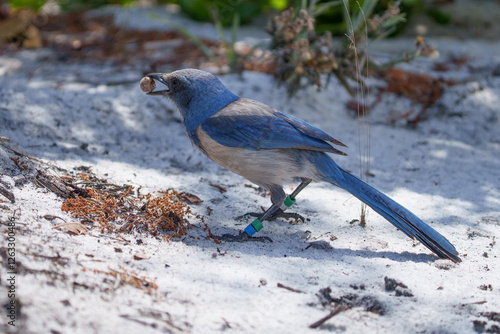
(395,213)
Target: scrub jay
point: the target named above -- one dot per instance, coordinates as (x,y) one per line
(269,148)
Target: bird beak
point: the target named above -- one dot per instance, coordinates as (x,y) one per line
(160,78)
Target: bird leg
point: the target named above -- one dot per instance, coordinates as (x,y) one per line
(275,211)
(271,213)
(302,185)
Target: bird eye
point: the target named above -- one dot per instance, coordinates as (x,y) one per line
(175,82)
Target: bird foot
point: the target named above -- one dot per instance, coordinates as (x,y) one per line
(279,214)
(242,237)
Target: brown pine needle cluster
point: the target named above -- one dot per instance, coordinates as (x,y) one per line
(117,209)
(421,88)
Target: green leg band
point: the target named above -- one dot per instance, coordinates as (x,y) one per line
(257,225)
(289,202)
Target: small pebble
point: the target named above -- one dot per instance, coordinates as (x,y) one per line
(147,85)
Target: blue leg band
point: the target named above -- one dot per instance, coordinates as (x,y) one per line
(255,226)
(250,230)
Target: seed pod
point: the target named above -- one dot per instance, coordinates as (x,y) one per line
(147,85)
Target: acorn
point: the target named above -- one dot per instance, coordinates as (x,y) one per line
(147,84)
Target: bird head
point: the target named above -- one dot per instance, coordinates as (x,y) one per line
(197,94)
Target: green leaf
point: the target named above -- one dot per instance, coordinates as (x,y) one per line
(279,4)
(322,7)
(34,5)
(235,27)
(392,21)
(365,12)
(205,49)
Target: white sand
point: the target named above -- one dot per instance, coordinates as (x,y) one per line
(447,171)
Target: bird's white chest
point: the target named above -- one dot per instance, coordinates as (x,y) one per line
(260,167)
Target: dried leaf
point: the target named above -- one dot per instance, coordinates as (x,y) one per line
(141,256)
(221,188)
(12,27)
(33,38)
(190,198)
(18,29)
(75,228)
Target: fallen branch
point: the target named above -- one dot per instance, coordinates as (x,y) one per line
(289,288)
(332,313)
(58,186)
(7,194)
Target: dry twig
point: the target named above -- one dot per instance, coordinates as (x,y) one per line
(330,315)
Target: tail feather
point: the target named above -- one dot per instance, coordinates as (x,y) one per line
(395,213)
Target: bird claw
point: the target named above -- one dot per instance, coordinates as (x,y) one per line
(279,214)
(243,237)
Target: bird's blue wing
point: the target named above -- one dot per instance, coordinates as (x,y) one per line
(307,128)
(273,130)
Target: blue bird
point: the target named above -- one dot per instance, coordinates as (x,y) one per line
(269,148)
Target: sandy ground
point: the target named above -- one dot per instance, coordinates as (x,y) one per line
(87,114)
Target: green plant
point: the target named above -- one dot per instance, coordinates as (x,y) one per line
(33,5)
(68,5)
(193,38)
(301,52)
(234,60)
(201,10)
(80,5)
